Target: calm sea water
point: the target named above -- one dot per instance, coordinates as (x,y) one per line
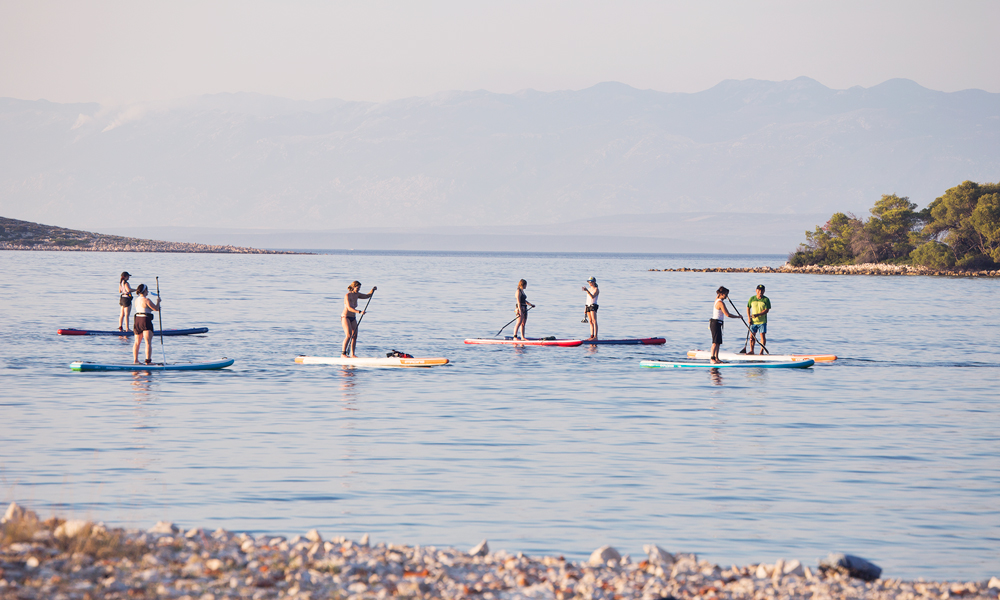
(890,453)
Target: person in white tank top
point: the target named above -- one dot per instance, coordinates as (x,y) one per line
(590,309)
(719,312)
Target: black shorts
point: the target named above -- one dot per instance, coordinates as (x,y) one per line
(715,326)
(590,308)
(125,301)
(143,323)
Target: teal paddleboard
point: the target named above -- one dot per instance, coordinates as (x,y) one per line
(794,364)
(86,366)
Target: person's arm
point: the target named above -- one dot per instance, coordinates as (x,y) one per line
(726,310)
(590,296)
(368,295)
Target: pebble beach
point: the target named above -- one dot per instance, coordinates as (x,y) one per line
(76,559)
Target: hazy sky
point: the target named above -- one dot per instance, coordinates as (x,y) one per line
(124,51)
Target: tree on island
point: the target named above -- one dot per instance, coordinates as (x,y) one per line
(959,229)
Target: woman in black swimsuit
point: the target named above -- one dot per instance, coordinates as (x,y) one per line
(143,327)
(522,309)
(124,301)
(348,318)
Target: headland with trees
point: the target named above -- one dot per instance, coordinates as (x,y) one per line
(959,231)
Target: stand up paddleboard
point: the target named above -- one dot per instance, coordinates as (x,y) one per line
(795,364)
(627,342)
(705,355)
(527,342)
(86,366)
(166,332)
(362,361)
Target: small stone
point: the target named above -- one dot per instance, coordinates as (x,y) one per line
(164,527)
(72,528)
(994,583)
(602,555)
(16,512)
(32,562)
(481,549)
(364,541)
(658,556)
(794,567)
(854,566)
(314,536)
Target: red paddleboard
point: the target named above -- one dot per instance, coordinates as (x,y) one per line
(527,342)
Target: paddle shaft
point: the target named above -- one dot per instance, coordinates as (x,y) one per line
(160,315)
(754,335)
(512,320)
(364,310)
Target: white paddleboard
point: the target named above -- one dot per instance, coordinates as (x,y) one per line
(795,364)
(363,361)
(705,355)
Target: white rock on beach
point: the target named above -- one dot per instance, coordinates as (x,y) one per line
(16,513)
(602,555)
(658,556)
(481,549)
(164,527)
(314,536)
(72,528)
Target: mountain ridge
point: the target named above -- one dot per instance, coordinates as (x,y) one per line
(477,158)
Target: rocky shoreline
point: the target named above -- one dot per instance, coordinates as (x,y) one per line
(75,559)
(864,269)
(25,235)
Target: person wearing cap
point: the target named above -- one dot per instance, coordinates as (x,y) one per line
(143,327)
(757,308)
(124,301)
(590,309)
(719,313)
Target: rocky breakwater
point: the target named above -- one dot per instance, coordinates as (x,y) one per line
(864,269)
(74,559)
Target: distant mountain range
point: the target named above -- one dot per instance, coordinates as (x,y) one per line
(478,160)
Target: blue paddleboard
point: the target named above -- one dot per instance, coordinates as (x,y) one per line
(86,366)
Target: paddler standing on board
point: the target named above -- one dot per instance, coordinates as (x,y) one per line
(349,319)
(124,301)
(590,309)
(522,309)
(719,311)
(757,308)
(143,327)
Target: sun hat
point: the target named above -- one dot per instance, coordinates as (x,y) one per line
(592,279)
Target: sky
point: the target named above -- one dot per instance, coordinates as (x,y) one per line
(120,52)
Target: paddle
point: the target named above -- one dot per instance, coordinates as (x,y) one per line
(365,309)
(160,313)
(762,346)
(512,320)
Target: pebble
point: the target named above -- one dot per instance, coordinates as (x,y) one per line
(110,563)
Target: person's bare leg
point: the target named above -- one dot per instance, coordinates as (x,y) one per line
(148,336)
(354,338)
(135,349)
(763,341)
(715,354)
(347,336)
(122,319)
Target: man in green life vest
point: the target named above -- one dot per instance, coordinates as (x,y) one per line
(757,308)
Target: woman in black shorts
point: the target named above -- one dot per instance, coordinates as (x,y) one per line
(124,301)
(143,327)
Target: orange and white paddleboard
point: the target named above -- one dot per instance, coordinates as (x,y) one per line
(364,361)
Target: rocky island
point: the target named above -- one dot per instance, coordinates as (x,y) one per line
(77,559)
(25,235)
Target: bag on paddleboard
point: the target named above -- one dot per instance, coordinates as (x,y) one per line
(397,354)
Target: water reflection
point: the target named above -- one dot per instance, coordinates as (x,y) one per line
(716,377)
(348,391)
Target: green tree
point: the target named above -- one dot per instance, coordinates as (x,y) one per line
(967,219)
(829,244)
(886,235)
(934,255)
